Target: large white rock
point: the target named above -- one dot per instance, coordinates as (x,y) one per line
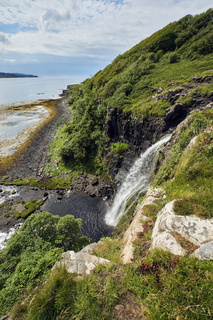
(136,226)
(91,247)
(166,241)
(194,229)
(80,262)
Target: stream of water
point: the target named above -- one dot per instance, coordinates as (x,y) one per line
(136,182)
(96,222)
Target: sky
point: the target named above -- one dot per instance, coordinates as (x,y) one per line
(80,37)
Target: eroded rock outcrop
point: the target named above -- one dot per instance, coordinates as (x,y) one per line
(195,230)
(137,225)
(82,262)
(171,232)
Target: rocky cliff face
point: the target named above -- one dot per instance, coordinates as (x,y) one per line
(180,233)
(140,134)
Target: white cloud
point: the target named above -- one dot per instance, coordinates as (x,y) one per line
(10,60)
(87,27)
(4,38)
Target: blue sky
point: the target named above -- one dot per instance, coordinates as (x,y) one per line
(80,37)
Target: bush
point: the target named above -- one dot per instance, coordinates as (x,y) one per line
(173,57)
(58,293)
(119,147)
(32,251)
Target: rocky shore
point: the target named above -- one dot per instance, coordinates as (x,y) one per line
(83,199)
(31,159)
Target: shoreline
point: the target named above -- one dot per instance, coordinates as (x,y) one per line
(30,158)
(30,163)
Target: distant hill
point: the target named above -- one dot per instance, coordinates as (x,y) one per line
(16,75)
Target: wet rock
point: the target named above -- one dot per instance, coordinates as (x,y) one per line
(92,195)
(139,134)
(106,192)
(46,194)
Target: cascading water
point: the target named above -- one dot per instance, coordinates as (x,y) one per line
(136,181)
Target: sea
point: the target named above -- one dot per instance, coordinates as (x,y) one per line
(16,123)
(24,89)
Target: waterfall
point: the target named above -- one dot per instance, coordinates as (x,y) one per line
(136,181)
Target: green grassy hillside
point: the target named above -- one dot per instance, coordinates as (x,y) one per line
(168,60)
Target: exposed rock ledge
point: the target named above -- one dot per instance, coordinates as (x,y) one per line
(168,228)
(136,226)
(197,231)
(81,263)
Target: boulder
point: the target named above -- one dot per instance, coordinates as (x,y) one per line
(166,241)
(91,247)
(79,262)
(196,230)
(82,262)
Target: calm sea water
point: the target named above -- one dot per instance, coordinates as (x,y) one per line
(24,89)
(17,123)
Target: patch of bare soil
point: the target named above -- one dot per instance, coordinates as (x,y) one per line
(128,308)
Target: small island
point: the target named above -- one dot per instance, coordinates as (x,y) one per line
(16,75)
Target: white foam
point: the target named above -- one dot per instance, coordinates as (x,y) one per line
(4,236)
(136,181)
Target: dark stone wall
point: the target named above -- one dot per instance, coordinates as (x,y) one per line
(140,134)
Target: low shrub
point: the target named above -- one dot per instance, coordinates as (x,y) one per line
(119,147)
(32,251)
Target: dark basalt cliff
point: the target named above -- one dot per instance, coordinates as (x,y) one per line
(140,134)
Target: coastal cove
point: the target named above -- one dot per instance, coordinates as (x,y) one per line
(110,199)
(27,166)
(19,123)
(26,106)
